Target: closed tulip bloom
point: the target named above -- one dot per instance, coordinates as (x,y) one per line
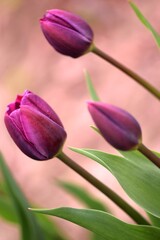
(34,127)
(66,32)
(117,126)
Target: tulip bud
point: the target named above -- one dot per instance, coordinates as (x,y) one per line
(34,127)
(66,32)
(117,126)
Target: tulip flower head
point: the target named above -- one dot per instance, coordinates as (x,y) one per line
(34,127)
(67,32)
(117,126)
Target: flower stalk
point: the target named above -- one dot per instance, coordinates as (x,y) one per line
(136,216)
(127,71)
(149,154)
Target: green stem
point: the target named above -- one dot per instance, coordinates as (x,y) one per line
(127,71)
(149,154)
(104,189)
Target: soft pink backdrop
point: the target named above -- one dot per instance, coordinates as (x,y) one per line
(28,62)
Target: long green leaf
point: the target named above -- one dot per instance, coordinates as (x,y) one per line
(141,182)
(83,196)
(29,226)
(97,237)
(155,220)
(7,210)
(137,158)
(103,224)
(9,213)
(145,22)
(52,231)
(86,198)
(91,88)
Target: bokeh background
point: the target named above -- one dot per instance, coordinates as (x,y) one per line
(27,61)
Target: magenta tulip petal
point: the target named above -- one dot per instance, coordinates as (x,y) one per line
(35,127)
(66,32)
(20,140)
(36,102)
(71,21)
(46,135)
(117,126)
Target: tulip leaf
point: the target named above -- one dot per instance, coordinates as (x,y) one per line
(136,157)
(155,220)
(97,237)
(140,181)
(104,224)
(145,22)
(83,196)
(7,210)
(91,88)
(29,226)
(86,198)
(139,159)
(50,229)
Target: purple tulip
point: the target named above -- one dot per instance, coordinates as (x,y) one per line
(34,126)
(66,32)
(117,126)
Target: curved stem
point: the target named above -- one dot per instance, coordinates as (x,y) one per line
(127,71)
(104,189)
(149,154)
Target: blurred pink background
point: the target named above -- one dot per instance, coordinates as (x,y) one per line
(27,61)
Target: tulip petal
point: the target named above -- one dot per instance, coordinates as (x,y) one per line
(34,126)
(64,40)
(72,21)
(20,139)
(66,32)
(37,103)
(46,136)
(117,126)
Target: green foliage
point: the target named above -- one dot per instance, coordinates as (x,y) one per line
(29,226)
(97,237)
(140,178)
(91,88)
(146,23)
(84,196)
(104,225)
(51,230)
(155,220)
(138,158)
(7,210)
(14,208)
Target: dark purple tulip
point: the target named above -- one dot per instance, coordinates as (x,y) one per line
(117,126)
(66,32)
(34,126)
